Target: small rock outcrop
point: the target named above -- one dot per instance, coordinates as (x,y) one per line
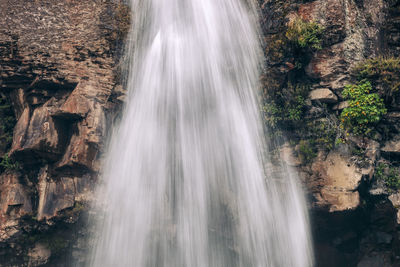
(323,96)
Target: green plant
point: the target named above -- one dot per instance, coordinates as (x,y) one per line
(380,171)
(364,110)
(390,175)
(284,108)
(7,122)
(8,164)
(384,71)
(305,34)
(306,151)
(322,133)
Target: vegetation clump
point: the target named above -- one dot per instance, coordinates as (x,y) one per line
(322,132)
(8,164)
(365,108)
(306,151)
(7,123)
(286,107)
(381,71)
(389,174)
(304,38)
(305,34)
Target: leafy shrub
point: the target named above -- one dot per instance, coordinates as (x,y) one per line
(8,164)
(7,122)
(306,151)
(381,70)
(321,133)
(390,175)
(285,107)
(304,34)
(365,108)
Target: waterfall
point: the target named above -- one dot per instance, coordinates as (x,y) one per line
(187,183)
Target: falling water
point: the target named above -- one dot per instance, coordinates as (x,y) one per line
(187,184)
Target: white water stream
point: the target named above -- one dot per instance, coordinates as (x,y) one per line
(186,183)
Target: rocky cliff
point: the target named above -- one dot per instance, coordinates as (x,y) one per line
(314,51)
(60,88)
(60,92)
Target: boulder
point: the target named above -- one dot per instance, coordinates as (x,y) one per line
(323,95)
(341,105)
(334,183)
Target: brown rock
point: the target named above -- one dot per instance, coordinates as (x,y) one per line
(54,196)
(41,137)
(85,143)
(327,63)
(323,95)
(335,183)
(14,198)
(288,156)
(341,105)
(20,131)
(78,104)
(17,97)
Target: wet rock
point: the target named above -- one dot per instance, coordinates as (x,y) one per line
(323,96)
(288,155)
(39,255)
(375,260)
(383,238)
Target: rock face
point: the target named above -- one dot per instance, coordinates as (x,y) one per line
(354,215)
(58,70)
(335,182)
